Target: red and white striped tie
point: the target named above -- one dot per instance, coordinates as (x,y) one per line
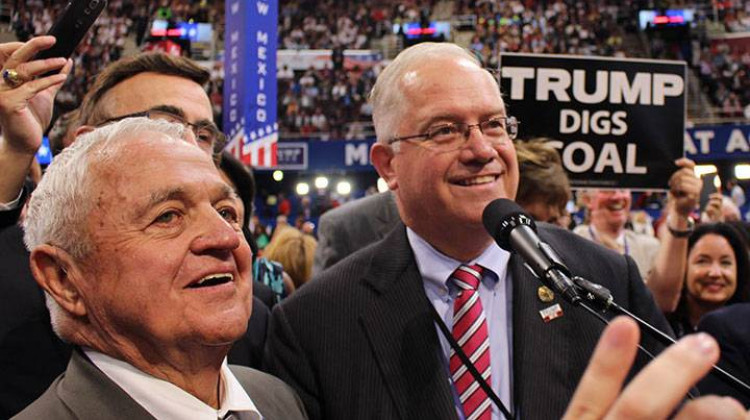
(470,330)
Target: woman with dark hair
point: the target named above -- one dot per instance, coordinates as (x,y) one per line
(716,275)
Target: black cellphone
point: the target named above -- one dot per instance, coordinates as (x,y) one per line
(70,28)
(709,187)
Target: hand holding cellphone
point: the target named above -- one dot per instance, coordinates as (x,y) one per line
(70,28)
(711,184)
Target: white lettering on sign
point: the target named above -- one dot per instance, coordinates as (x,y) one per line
(599,122)
(611,86)
(285,155)
(262,7)
(737,142)
(609,159)
(689,145)
(356,154)
(261,115)
(704,137)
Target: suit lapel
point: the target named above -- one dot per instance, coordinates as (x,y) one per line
(543,378)
(91,394)
(401,332)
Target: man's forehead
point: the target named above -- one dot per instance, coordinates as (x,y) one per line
(147,90)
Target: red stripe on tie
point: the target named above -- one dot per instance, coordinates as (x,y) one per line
(471,327)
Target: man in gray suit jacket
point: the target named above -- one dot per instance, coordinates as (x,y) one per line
(147,273)
(362,340)
(353,226)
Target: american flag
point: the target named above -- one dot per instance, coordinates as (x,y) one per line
(256,148)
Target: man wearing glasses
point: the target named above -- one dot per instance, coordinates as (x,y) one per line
(378,335)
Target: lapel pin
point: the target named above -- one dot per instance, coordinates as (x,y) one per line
(551,313)
(545,294)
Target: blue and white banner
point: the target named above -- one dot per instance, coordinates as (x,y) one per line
(325,156)
(250,81)
(715,142)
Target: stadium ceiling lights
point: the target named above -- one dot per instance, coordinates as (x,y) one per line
(303,188)
(344,188)
(321,182)
(742,171)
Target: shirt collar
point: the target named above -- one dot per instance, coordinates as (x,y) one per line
(436,267)
(163,399)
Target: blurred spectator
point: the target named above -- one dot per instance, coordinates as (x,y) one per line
(294,251)
(285,206)
(543,189)
(661,262)
(717,275)
(259,233)
(736,193)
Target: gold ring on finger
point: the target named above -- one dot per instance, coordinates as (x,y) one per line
(12,78)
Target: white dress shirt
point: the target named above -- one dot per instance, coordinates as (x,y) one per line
(164,400)
(495,292)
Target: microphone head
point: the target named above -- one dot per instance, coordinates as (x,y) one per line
(501,216)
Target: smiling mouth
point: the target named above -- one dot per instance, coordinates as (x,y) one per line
(480,180)
(212,280)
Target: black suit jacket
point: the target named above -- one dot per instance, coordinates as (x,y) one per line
(31,355)
(730,327)
(359,340)
(10,217)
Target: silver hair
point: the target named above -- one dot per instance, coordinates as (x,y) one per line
(59,206)
(61,203)
(387,97)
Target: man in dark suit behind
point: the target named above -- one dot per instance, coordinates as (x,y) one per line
(147,273)
(729,326)
(353,226)
(361,340)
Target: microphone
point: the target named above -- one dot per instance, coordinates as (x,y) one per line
(514,230)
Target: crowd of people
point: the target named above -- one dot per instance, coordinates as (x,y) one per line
(723,72)
(309,24)
(325,103)
(593,27)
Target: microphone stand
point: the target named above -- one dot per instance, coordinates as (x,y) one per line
(594,296)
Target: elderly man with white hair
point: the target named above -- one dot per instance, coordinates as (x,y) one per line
(137,242)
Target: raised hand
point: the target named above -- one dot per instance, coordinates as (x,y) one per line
(26,102)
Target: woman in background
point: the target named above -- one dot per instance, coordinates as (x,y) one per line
(543,187)
(294,250)
(716,275)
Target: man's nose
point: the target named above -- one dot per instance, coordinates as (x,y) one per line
(479,145)
(215,234)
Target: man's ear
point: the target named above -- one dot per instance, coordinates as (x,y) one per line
(381,157)
(59,275)
(83,130)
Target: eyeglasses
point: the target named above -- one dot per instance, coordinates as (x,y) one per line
(452,136)
(205,132)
